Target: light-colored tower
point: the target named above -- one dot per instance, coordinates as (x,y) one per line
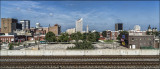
(79,25)
(87,30)
(25,24)
(37,25)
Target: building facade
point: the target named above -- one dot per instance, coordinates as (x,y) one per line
(7,38)
(25,24)
(118,26)
(8,25)
(79,25)
(156,42)
(19,26)
(70,31)
(111,35)
(133,32)
(56,29)
(139,41)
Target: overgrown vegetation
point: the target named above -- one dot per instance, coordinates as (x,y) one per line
(147,47)
(122,33)
(82,45)
(87,39)
(152,33)
(104,34)
(11,47)
(50,37)
(64,37)
(108,40)
(92,37)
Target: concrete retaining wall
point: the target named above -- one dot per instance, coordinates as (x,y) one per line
(79,52)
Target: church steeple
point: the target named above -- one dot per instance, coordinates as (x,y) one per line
(149,27)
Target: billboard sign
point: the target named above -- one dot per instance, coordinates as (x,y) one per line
(123,36)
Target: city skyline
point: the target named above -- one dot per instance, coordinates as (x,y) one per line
(100,16)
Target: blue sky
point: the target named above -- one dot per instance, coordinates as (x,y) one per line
(99,15)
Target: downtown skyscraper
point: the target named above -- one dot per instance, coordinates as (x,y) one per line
(79,25)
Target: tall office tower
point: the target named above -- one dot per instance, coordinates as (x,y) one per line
(8,25)
(87,29)
(19,26)
(118,26)
(56,29)
(25,24)
(79,25)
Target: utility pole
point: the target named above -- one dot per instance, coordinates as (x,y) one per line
(38,40)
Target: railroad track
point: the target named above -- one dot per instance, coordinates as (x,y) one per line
(82,62)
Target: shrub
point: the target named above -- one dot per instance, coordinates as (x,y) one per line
(82,45)
(11,46)
(147,47)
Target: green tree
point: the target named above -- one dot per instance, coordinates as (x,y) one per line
(155,33)
(82,45)
(50,37)
(104,34)
(122,33)
(64,37)
(97,35)
(92,37)
(85,36)
(148,33)
(77,36)
(11,46)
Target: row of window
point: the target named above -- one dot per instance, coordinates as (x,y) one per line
(140,39)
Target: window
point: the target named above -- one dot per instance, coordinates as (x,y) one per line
(140,39)
(132,39)
(149,38)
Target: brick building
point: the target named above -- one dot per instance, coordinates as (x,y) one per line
(39,37)
(8,25)
(7,38)
(111,35)
(56,29)
(140,41)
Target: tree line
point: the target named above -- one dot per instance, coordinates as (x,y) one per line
(65,37)
(85,43)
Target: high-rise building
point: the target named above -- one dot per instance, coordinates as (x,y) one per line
(56,29)
(8,25)
(25,24)
(19,26)
(118,26)
(136,42)
(79,25)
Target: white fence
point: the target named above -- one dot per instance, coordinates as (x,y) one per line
(79,52)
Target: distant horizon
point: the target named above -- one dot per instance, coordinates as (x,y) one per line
(99,15)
